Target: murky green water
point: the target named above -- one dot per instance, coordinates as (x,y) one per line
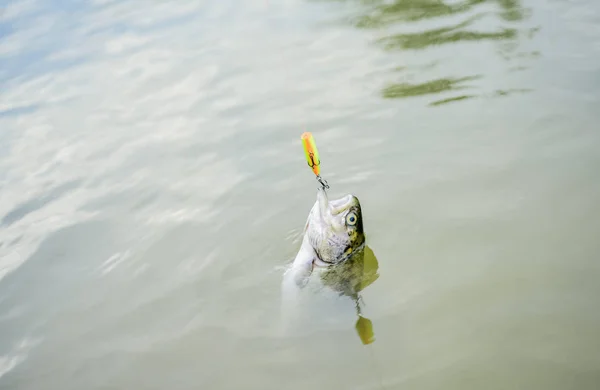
(153,188)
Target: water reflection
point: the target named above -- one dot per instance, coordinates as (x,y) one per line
(385,12)
(410,11)
(433,86)
(445,35)
(349,279)
(470,21)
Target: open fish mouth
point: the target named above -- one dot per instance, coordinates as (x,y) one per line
(339,205)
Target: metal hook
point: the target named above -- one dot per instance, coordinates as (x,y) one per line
(312,159)
(322,181)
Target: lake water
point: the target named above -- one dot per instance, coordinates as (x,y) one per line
(153,188)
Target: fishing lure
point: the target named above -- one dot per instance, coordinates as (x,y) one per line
(312,157)
(311,152)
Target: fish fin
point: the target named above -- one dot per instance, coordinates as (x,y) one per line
(303,265)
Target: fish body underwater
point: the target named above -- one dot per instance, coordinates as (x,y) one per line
(333,253)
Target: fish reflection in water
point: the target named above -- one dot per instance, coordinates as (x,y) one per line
(309,308)
(349,279)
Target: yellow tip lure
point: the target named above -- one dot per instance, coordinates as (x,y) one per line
(311,152)
(312,157)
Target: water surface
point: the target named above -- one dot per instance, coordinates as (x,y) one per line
(153,188)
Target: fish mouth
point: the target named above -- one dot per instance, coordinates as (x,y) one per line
(339,205)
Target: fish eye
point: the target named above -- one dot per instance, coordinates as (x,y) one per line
(351,219)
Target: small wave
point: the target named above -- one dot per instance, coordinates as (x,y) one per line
(16,356)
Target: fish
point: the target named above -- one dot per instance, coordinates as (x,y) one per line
(334,247)
(333,231)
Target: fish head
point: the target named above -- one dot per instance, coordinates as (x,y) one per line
(335,227)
